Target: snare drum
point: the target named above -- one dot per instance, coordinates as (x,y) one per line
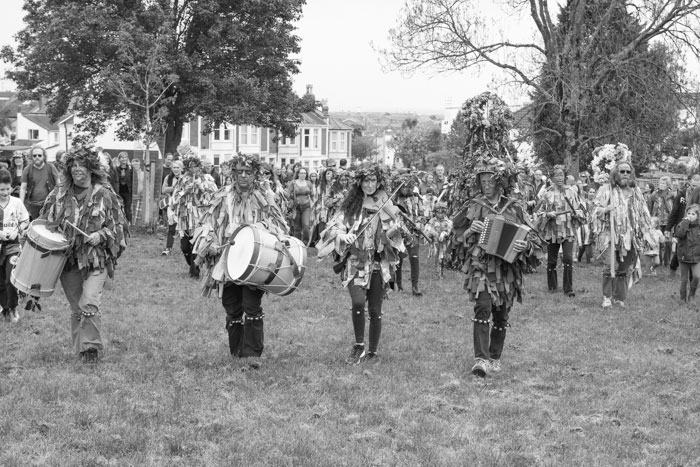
(41,261)
(274,263)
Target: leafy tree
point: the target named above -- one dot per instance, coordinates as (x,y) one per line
(364,148)
(460,35)
(229,60)
(414,142)
(634,103)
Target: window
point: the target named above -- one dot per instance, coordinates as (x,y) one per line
(243,135)
(216,159)
(283,161)
(253,135)
(271,160)
(306,163)
(222,133)
(315,164)
(315,138)
(291,161)
(33,134)
(293,140)
(343,141)
(334,140)
(307,138)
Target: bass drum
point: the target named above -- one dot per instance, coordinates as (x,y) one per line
(257,257)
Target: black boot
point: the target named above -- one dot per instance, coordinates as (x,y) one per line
(552,279)
(399,286)
(568,280)
(235,337)
(415,274)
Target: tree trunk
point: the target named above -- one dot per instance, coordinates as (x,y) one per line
(173,137)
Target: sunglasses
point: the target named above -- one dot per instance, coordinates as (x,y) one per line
(625,171)
(267,173)
(37,155)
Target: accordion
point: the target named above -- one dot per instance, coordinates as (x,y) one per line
(499,235)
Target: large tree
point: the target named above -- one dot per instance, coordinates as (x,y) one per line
(228,60)
(460,35)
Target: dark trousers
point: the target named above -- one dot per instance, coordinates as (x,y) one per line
(373,297)
(413,258)
(245,336)
(617,287)
(489,344)
(170,240)
(126,197)
(8,292)
(186,247)
(567,259)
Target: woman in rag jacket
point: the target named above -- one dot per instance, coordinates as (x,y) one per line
(366,235)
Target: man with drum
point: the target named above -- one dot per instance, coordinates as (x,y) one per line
(492,283)
(245,201)
(14,220)
(85,207)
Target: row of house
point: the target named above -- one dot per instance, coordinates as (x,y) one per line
(320,136)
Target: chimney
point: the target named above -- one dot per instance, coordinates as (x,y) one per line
(324,108)
(309,89)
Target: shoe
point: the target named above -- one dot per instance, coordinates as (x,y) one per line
(480,367)
(619,303)
(251,363)
(14,315)
(495,365)
(6,314)
(606,302)
(89,356)
(570,293)
(371,358)
(416,292)
(166,252)
(357,353)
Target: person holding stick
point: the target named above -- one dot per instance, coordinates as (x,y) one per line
(86,208)
(366,237)
(621,221)
(562,213)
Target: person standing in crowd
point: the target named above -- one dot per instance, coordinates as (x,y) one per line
(410,205)
(191,197)
(209,169)
(123,182)
(243,202)
(562,213)
(162,205)
(492,283)
(16,171)
(660,205)
(325,205)
(438,230)
(14,221)
(585,231)
(690,195)
(365,237)
(688,251)
(621,201)
(87,201)
(167,189)
(655,243)
(301,192)
(38,179)
(440,179)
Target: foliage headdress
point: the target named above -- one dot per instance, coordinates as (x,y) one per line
(370,168)
(190,163)
(87,157)
(605,158)
(503,170)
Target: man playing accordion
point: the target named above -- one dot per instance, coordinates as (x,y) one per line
(491,282)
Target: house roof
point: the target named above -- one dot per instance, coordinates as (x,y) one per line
(336,124)
(312,118)
(41,120)
(522,118)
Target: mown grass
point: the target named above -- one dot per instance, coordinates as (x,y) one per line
(580,387)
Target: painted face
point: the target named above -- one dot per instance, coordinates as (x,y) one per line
(488,184)
(80,174)
(558,178)
(369,184)
(244,176)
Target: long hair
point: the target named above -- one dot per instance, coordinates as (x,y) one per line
(324,183)
(352,204)
(615,174)
(88,158)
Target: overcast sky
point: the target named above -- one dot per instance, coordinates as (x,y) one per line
(338,60)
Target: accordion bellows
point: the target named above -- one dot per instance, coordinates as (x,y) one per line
(500,235)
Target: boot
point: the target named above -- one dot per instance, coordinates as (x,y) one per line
(568,280)
(399,286)
(552,279)
(415,273)
(235,337)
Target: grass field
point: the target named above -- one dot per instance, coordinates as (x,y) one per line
(580,386)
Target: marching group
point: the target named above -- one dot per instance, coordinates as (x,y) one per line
(368,219)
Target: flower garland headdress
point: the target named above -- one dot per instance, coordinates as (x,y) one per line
(605,158)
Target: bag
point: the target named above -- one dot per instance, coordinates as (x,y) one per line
(340,264)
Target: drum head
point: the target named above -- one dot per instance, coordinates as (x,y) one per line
(240,253)
(41,235)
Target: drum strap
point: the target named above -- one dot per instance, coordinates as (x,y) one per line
(278,262)
(45,252)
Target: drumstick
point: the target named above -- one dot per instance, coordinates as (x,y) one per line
(77,229)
